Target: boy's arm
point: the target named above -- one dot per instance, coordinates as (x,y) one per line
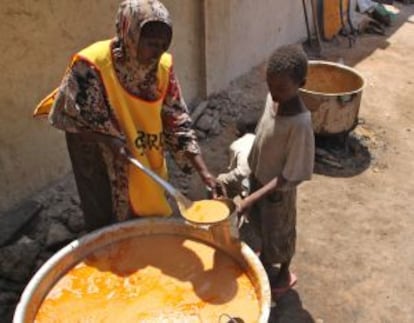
(277,183)
(236,175)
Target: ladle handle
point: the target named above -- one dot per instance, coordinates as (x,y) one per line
(168,187)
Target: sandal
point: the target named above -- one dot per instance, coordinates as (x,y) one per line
(279,291)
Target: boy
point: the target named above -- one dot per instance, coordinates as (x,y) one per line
(281,158)
(235,179)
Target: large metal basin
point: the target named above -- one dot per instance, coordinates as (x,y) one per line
(333,95)
(75,252)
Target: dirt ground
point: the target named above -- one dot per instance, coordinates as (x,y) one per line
(355,250)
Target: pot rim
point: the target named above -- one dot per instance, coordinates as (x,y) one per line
(341,66)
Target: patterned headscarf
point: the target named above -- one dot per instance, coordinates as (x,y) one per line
(131,17)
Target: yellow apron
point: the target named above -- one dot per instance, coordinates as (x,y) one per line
(141,123)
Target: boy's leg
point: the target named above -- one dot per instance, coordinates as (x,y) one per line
(92,182)
(284,277)
(279,235)
(250,232)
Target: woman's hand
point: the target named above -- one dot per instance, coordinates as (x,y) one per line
(215,187)
(117,145)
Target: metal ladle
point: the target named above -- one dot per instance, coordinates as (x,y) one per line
(183,203)
(224,232)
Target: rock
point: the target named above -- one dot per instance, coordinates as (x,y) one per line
(45,255)
(58,236)
(39,263)
(205,122)
(75,200)
(37,228)
(12,221)
(215,128)
(227,119)
(7,298)
(200,134)
(8,285)
(210,122)
(42,258)
(17,261)
(7,312)
(61,211)
(7,309)
(75,222)
(198,111)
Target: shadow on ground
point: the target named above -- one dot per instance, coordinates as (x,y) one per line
(342,157)
(289,309)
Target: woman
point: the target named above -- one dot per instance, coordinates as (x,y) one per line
(122,93)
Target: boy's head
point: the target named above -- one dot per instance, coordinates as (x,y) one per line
(246,123)
(286,72)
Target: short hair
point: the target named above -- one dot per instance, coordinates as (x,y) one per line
(247,123)
(291,60)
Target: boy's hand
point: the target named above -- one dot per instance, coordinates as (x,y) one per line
(242,210)
(242,207)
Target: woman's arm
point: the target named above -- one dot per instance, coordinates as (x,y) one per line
(180,138)
(208,179)
(81,104)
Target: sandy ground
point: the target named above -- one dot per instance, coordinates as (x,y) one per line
(355,250)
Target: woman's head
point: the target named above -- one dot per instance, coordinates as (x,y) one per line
(154,40)
(286,72)
(143,30)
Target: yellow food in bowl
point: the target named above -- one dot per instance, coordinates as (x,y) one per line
(207,211)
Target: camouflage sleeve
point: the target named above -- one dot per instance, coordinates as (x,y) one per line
(179,136)
(81,103)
